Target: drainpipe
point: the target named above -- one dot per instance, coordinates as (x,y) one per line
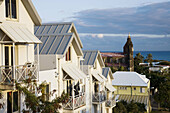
(59,77)
(14,62)
(73,94)
(2,55)
(38,62)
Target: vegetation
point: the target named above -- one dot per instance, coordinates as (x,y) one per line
(39,103)
(158,80)
(164,63)
(132,107)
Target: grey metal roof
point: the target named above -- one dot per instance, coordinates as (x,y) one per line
(105,71)
(52,29)
(123,78)
(56,37)
(89,57)
(54,44)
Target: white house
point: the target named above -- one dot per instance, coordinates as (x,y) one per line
(60,55)
(17,59)
(110,100)
(92,67)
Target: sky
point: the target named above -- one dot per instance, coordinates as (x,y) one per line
(105,24)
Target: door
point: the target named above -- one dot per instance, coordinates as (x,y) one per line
(9,102)
(8,56)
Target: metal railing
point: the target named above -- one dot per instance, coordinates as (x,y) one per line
(99,97)
(8,74)
(79,101)
(110,103)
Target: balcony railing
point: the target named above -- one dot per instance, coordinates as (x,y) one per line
(99,97)
(22,72)
(79,101)
(110,102)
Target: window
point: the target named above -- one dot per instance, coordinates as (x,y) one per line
(68,54)
(11,9)
(123,88)
(15,101)
(142,90)
(134,88)
(47,92)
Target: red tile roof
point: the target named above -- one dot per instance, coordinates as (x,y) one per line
(113,55)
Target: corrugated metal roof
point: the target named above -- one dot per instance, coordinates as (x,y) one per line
(73,71)
(56,44)
(18,33)
(89,57)
(135,98)
(122,78)
(110,87)
(52,29)
(105,71)
(56,37)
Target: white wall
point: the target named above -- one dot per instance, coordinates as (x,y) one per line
(23,16)
(47,62)
(50,76)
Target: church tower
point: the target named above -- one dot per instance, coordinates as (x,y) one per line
(128,52)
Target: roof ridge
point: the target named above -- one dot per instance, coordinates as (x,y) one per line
(56,23)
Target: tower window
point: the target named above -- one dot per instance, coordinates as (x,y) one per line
(11,9)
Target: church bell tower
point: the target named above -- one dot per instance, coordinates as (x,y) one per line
(128,52)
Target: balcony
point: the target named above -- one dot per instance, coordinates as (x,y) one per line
(99,97)
(110,103)
(9,74)
(75,103)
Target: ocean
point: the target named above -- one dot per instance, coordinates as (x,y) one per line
(157,55)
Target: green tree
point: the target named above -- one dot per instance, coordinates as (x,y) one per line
(149,58)
(163,94)
(120,108)
(138,59)
(132,107)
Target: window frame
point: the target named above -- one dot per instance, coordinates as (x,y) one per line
(10,11)
(68,55)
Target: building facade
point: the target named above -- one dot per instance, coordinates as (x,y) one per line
(60,55)
(17,58)
(100,88)
(132,86)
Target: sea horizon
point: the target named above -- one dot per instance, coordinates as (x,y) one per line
(157,55)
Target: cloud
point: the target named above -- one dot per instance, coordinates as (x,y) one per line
(149,19)
(107,29)
(124,35)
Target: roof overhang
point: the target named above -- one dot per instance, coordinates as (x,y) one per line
(74,72)
(76,34)
(76,46)
(99,57)
(110,87)
(32,12)
(18,34)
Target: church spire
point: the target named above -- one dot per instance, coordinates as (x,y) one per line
(129,35)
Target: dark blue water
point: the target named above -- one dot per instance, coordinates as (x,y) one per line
(157,55)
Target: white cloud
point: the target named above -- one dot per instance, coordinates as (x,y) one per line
(123,35)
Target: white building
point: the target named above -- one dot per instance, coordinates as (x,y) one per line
(110,100)
(99,88)
(60,55)
(17,59)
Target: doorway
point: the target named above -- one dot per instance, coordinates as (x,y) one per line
(9,102)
